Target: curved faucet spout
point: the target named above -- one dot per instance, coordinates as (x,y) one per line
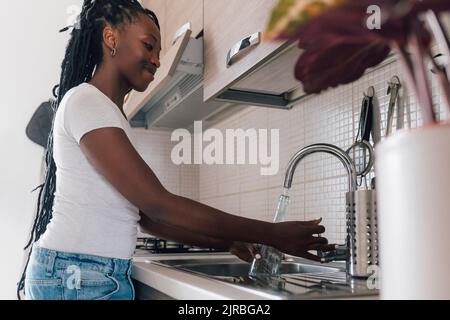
(322,148)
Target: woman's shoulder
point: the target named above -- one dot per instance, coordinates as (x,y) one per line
(87,101)
(80,95)
(85,108)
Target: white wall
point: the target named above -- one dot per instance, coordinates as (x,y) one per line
(30,57)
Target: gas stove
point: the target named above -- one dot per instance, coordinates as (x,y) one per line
(161,246)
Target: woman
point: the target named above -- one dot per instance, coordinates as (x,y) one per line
(98,188)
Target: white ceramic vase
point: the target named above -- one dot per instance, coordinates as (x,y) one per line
(413,192)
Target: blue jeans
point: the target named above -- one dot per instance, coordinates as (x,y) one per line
(53,275)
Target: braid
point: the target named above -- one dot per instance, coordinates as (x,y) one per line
(84,53)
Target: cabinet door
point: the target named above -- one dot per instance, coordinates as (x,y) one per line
(178,14)
(159,8)
(226,24)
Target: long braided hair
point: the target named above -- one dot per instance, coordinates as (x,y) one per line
(84,53)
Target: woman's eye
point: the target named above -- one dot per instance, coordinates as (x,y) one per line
(149,47)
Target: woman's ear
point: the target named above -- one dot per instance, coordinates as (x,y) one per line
(110,38)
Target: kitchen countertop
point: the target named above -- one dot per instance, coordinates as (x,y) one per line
(182,285)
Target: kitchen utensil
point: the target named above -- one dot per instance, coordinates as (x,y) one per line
(376,121)
(395,99)
(39,127)
(393,90)
(376,131)
(361,152)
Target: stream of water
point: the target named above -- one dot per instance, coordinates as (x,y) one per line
(269,263)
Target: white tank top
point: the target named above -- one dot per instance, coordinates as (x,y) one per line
(89,215)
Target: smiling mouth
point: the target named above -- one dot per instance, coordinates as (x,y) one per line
(150,69)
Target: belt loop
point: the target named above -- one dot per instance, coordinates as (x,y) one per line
(115,267)
(50,263)
(129,267)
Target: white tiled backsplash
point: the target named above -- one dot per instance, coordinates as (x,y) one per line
(155,148)
(320,182)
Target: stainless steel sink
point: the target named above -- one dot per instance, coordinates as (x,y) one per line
(233,267)
(240,269)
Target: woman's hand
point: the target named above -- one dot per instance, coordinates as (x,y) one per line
(244,251)
(298,237)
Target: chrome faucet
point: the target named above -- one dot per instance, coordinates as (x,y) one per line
(322,148)
(342,252)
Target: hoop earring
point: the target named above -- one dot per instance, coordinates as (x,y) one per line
(113,52)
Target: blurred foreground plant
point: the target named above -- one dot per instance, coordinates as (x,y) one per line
(341,39)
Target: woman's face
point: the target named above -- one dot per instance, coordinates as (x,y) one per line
(137,52)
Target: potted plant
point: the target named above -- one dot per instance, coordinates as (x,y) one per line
(340,40)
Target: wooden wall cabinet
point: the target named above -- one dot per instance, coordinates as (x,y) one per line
(180,13)
(226,24)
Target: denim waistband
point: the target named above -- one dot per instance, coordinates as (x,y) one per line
(57,259)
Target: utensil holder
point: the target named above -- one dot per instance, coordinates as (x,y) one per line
(362,232)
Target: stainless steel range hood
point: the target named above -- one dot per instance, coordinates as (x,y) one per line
(271,84)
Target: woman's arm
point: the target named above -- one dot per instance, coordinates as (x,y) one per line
(180,235)
(244,251)
(111,153)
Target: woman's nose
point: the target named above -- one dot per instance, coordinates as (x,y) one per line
(155,60)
